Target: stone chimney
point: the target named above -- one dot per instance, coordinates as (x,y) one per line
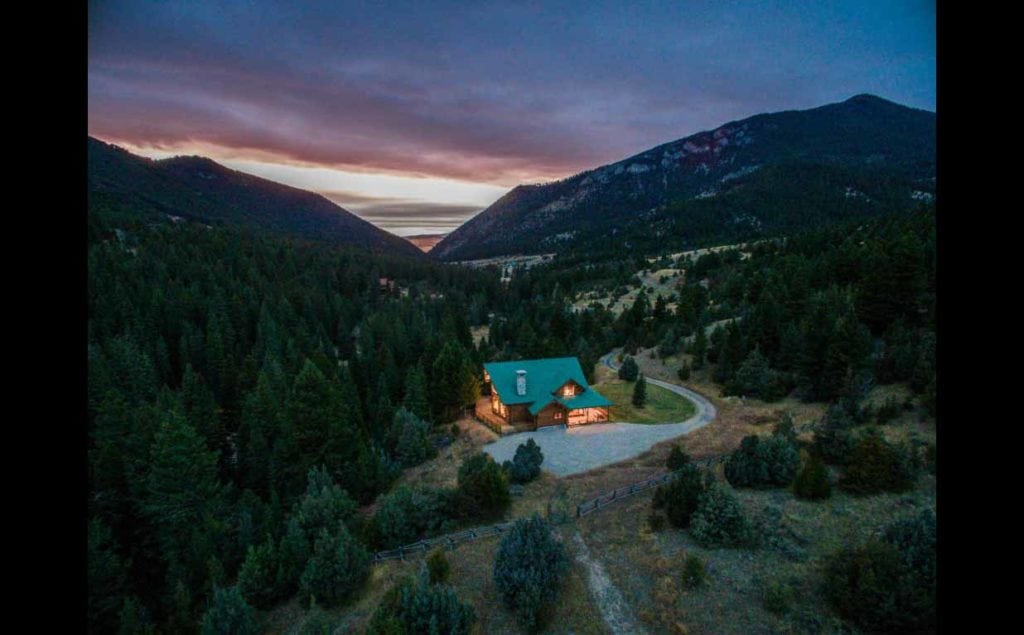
(520,382)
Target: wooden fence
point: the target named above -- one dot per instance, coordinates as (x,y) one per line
(450,541)
(603,500)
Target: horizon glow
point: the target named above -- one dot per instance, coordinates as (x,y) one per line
(418,117)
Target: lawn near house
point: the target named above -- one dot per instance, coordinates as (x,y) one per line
(662,406)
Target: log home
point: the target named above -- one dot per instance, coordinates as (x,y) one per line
(543,392)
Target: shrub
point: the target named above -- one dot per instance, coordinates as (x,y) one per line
(888,411)
(812,482)
(482,487)
(694,571)
(421,607)
(876,466)
(229,613)
(770,462)
(677,458)
(785,428)
(409,513)
(873,587)
(719,520)
(754,377)
(929,458)
(679,498)
(656,521)
(528,568)
(411,436)
(833,441)
(438,567)
(684,371)
(914,538)
(318,622)
(669,345)
(776,597)
(455,431)
(640,392)
(338,566)
(629,369)
(525,465)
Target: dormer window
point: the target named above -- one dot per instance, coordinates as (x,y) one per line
(567,391)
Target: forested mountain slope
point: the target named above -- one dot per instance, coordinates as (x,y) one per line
(766,175)
(199,189)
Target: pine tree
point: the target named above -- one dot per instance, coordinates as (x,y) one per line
(719,520)
(680,497)
(453,382)
(134,619)
(525,464)
(640,392)
(699,349)
(677,458)
(201,410)
(416,400)
(182,490)
(313,406)
(529,567)
(812,482)
(106,576)
(482,487)
(257,434)
(257,579)
(229,613)
(338,567)
(629,369)
(292,554)
(411,439)
(325,505)
(421,607)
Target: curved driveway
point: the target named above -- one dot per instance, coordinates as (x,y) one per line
(581,448)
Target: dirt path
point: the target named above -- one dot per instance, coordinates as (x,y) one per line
(615,612)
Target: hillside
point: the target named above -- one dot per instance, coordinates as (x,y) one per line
(199,189)
(765,175)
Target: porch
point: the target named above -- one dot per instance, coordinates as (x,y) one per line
(483,413)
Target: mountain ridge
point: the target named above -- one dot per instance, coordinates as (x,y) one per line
(198,188)
(863,134)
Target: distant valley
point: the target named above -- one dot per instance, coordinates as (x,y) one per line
(426,242)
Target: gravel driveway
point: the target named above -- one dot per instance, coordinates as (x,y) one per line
(581,448)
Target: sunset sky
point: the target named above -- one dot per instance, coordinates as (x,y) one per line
(417,115)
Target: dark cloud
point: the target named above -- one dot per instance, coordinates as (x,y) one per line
(500,94)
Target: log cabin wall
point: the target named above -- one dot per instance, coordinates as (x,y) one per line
(552,415)
(519,413)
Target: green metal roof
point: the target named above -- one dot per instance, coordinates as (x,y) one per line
(543,378)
